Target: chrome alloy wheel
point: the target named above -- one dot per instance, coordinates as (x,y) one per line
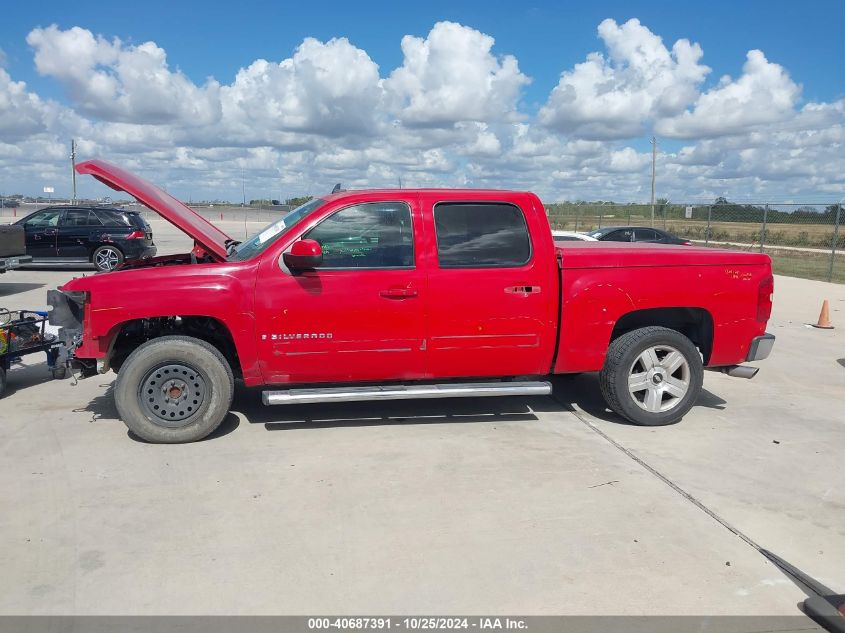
(659,378)
(107,259)
(170,394)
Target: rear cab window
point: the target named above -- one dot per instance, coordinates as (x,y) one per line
(481,235)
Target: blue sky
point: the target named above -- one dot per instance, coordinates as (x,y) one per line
(210,38)
(215,39)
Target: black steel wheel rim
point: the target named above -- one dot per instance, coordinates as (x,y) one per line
(171,393)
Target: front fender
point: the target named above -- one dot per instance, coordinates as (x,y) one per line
(224,292)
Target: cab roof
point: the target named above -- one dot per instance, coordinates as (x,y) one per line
(431,192)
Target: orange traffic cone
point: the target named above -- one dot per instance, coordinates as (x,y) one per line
(824,317)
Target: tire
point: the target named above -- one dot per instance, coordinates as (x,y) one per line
(2,381)
(107,258)
(174,389)
(667,366)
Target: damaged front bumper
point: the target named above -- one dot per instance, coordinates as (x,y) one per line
(67,312)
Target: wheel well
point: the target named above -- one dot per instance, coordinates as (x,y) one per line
(694,323)
(100,245)
(137,332)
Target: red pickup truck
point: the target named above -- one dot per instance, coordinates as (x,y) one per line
(373,295)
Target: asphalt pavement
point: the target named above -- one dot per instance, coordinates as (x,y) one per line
(508,505)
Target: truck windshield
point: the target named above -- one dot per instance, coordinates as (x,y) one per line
(269,234)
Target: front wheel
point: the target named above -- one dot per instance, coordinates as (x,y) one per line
(174,389)
(652,376)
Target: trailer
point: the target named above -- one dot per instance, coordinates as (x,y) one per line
(12,247)
(10,263)
(24,332)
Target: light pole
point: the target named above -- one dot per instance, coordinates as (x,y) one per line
(73,169)
(653,165)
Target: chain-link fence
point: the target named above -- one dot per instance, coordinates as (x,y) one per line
(222,213)
(803,240)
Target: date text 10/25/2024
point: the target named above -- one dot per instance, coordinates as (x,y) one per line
(418,623)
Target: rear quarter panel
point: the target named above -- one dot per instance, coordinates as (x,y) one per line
(594,299)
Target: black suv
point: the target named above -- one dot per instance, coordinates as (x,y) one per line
(102,236)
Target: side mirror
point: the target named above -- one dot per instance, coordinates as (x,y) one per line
(303,255)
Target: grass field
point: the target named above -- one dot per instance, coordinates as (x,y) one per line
(803,264)
(799,234)
(799,263)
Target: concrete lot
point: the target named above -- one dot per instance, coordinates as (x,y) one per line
(530,506)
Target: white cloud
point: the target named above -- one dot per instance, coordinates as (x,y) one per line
(117,82)
(614,97)
(452,76)
(449,115)
(327,89)
(627,160)
(763,94)
(483,142)
(22,113)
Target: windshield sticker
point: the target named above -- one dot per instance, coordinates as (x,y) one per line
(271,232)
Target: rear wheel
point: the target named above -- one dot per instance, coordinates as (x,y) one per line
(2,381)
(174,389)
(652,376)
(107,258)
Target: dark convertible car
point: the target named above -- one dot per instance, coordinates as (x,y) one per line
(102,236)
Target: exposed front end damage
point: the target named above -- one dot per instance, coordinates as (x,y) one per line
(67,312)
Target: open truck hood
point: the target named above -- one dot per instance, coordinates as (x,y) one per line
(207,236)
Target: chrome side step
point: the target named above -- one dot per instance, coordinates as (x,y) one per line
(407,392)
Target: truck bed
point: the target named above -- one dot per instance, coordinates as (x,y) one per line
(603,281)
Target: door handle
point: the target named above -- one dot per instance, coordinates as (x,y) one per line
(522,290)
(398,293)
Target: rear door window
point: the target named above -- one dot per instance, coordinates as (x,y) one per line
(619,236)
(75,217)
(646,235)
(481,235)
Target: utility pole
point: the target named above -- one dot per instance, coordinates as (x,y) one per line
(653,163)
(243,188)
(73,169)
